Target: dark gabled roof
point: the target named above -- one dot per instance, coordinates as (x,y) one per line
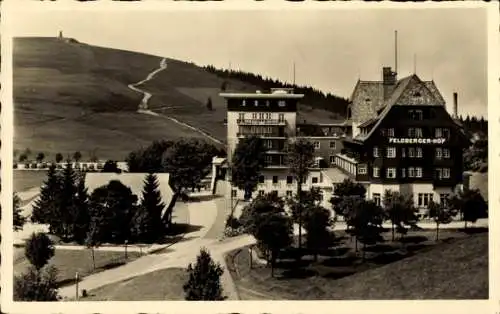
(374,92)
(398,91)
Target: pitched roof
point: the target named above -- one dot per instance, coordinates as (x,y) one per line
(398,91)
(135,181)
(374,92)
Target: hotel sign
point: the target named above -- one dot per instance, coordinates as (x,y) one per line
(393,140)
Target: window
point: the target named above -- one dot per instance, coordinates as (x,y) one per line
(362,169)
(411,172)
(443,173)
(375,151)
(332,160)
(332,144)
(439,153)
(261,179)
(255,103)
(275,179)
(411,152)
(261,192)
(268,144)
(383,132)
(269,159)
(419,152)
(403,172)
(241,116)
(281,117)
(424,199)
(376,198)
(416,114)
(289,193)
(391,152)
(418,172)
(446,153)
(316,145)
(289,179)
(391,173)
(390,132)
(442,132)
(267,103)
(234,193)
(315,180)
(415,132)
(281,103)
(243,103)
(403,152)
(443,198)
(376,172)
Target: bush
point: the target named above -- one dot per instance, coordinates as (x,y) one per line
(232,222)
(36,285)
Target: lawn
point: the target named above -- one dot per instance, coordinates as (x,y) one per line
(25,180)
(165,284)
(68,262)
(418,269)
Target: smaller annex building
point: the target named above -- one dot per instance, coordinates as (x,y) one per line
(134,181)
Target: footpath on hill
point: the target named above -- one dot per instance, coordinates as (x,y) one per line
(144,104)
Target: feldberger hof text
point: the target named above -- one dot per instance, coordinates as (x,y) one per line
(417,140)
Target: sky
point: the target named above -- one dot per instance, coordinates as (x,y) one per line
(331,49)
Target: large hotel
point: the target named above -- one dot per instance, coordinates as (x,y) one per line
(397,136)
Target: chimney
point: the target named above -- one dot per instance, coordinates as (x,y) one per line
(389,81)
(455,105)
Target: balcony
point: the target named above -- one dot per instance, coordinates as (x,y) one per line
(261,122)
(263,135)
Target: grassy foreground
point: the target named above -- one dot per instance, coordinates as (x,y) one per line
(165,284)
(454,268)
(68,262)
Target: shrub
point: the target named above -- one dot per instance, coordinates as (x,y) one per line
(232,222)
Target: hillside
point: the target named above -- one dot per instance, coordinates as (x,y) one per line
(71,96)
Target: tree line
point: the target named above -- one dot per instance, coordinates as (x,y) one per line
(475,125)
(312,97)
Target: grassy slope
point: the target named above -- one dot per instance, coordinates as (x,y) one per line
(79,100)
(455,268)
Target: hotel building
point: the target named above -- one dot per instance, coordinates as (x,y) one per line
(403,140)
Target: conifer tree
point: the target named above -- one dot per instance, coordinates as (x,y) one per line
(81,217)
(45,208)
(151,203)
(18,218)
(204,279)
(66,209)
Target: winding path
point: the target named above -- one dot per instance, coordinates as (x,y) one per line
(144,108)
